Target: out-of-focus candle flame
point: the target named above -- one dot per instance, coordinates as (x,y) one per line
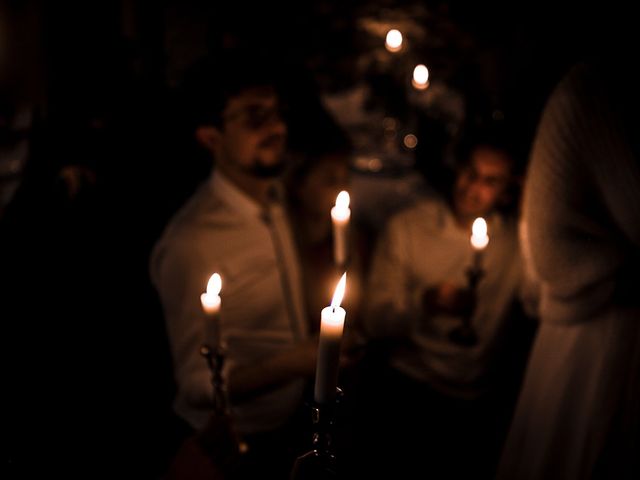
(479,237)
(341,210)
(214,285)
(410,141)
(339,292)
(211,299)
(420,77)
(342,200)
(393,41)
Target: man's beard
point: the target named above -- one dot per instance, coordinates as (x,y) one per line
(260,170)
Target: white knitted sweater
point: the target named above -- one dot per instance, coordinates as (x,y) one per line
(582,199)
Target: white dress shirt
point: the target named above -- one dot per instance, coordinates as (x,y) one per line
(221,229)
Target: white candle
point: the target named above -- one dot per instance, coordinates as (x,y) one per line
(331,327)
(340,215)
(479,239)
(211,302)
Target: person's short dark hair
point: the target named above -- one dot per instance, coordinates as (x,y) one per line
(213,80)
(496,136)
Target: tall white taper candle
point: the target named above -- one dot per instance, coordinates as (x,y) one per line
(331,327)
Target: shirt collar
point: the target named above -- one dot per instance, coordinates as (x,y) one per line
(235,198)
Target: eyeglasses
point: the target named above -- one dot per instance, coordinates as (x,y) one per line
(255,117)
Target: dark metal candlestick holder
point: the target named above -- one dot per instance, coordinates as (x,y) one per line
(320,463)
(465,334)
(218,438)
(215,361)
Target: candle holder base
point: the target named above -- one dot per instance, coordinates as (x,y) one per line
(314,465)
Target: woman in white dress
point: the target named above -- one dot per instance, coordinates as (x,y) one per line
(579,408)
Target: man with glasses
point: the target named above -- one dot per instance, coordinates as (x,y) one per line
(235,224)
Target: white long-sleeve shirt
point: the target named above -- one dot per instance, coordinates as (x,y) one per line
(221,229)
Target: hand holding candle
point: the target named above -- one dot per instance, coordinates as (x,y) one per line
(211,302)
(340,215)
(465,335)
(331,327)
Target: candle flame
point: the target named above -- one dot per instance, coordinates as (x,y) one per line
(479,237)
(420,80)
(342,200)
(393,40)
(421,74)
(339,292)
(479,228)
(214,285)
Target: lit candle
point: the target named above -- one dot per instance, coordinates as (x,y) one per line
(211,302)
(420,78)
(479,240)
(340,215)
(393,40)
(331,326)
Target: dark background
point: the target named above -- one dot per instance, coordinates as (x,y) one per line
(85,59)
